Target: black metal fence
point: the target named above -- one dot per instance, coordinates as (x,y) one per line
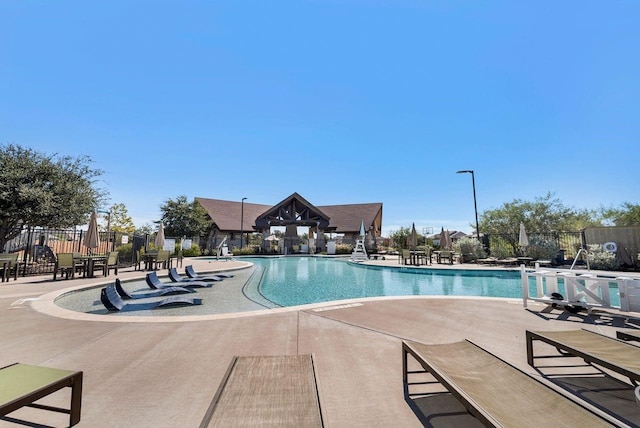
(567,244)
(37,247)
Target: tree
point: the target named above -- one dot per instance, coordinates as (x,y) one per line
(542,215)
(120,220)
(627,215)
(38,189)
(400,237)
(181,218)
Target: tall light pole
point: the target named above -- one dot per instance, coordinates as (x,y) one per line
(241,220)
(475,204)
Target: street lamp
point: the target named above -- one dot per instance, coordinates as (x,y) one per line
(241,220)
(475,204)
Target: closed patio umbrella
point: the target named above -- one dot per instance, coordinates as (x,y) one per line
(159,242)
(445,240)
(92,238)
(413,242)
(362,231)
(523,240)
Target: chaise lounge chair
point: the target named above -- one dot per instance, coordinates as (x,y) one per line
(268,391)
(495,392)
(176,277)
(594,348)
(165,291)
(154,282)
(192,274)
(113,302)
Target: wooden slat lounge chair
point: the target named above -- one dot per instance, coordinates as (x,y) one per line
(268,391)
(495,392)
(113,302)
(22,384)
(594,348)
(153,281)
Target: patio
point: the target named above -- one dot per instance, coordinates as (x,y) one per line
(165,374)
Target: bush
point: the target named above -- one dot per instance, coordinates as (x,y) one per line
(246,251)
(125,253)
(469,248)
(194,251)
(601,259)
(344,249)
(542,249)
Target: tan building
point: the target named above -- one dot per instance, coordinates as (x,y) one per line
(233,219)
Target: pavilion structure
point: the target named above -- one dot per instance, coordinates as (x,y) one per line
(231,219)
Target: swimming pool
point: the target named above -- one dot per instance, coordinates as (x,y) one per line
(291,281)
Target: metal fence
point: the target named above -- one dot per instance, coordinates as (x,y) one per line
(37,247)
(506,244)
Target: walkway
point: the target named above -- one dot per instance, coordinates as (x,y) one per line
(165,374)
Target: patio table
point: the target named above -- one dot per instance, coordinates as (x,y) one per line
(89,262)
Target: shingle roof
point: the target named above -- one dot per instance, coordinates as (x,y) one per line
(344,218)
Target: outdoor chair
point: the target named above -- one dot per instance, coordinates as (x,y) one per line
(21,385)
(191,273)
(113,302)
(9,265)
(166,291)
(405,258)
(65,265)
(604,351)
(446,255)
(111,263)
(270,391)
(163,259)
(174,276)
(153,281)
(495,392)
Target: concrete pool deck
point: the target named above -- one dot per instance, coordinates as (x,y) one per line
(165,374)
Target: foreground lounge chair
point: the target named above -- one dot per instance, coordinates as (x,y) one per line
(192,274)
(628,335)
(154,282)
(594,348)
(268,391)
(495,392)
(176,277)
(165,291)
(113,302)
(22,384)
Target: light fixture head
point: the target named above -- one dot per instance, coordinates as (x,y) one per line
(464,171)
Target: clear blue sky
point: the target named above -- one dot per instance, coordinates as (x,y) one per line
(342,101)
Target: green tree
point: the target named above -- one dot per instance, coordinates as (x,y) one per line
(627,215)
(145,229)
(183,218)
(121,222)
(544,214)
(38,189)
(400,237)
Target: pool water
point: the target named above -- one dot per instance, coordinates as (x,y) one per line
(291,281)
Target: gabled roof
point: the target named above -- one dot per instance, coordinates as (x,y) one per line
(294,209)
(226,214)
(347,218)
(341,218)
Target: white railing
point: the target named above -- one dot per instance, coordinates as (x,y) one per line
(582,290)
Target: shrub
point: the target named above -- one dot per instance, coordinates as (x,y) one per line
(601,259)
(344,249)
(542,248)
(469,248)
(501,252)
(125,252)
(194,251)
